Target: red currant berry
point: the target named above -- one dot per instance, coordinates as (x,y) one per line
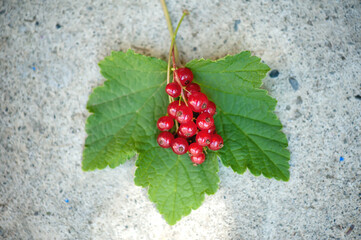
(205,121)
(211,108)
(203,138)
(180,134)
(165,139)
(173,107)
(198,159)
(185,76)
(192,88)
(188,129)
(195,149)
(198,101)
(184,114)
(179,146)
(173,89)
(212,129)
(216,142)
(165,123)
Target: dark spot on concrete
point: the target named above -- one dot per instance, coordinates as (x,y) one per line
(358,97)
(288,107)
(235,27)
(90,8)
(343,58)
(36,213)
(2,11)
(345,141)
(36,23)
(297,114)
(126,226)
(224,197)
(299,100)
(6,109)
(48,213)
(194,49)
(274,73)
(309,22)
(58,26)
(294,83)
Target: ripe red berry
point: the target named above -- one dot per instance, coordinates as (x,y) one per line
(165,123)
(198,101)
(192,88)
(165,139)
(185,76)
(180,134)
(212,129)
(211,108)
(179,146)
(216,142)
(198,159)
(203,138)
(184,114)
(205,121)
(173,89)
(195,149)
(173,107)
(188,129)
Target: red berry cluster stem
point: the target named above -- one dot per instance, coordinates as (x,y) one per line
(194,112)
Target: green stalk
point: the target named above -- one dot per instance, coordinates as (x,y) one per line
(170,28)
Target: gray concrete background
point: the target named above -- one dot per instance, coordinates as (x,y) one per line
(49,52)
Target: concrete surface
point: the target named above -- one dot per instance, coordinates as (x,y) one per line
(49,52)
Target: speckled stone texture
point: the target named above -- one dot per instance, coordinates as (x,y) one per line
(49,52)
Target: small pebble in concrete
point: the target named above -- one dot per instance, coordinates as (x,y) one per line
(2,11)
(274,73)
(299,100)
(341,159)
(350,229)
(58,26)
(294,83)
(36,23)
(235,27)
(358,97)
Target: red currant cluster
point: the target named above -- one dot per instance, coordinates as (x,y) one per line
(195,116)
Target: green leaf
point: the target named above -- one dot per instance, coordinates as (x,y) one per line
(175,185)
(245,118)
(125,109)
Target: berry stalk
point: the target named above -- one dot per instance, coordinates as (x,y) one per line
(176,79)
(172,46)
(170,27)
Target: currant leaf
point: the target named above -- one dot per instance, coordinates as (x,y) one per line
(245,117)
(125,109)
(175,185)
